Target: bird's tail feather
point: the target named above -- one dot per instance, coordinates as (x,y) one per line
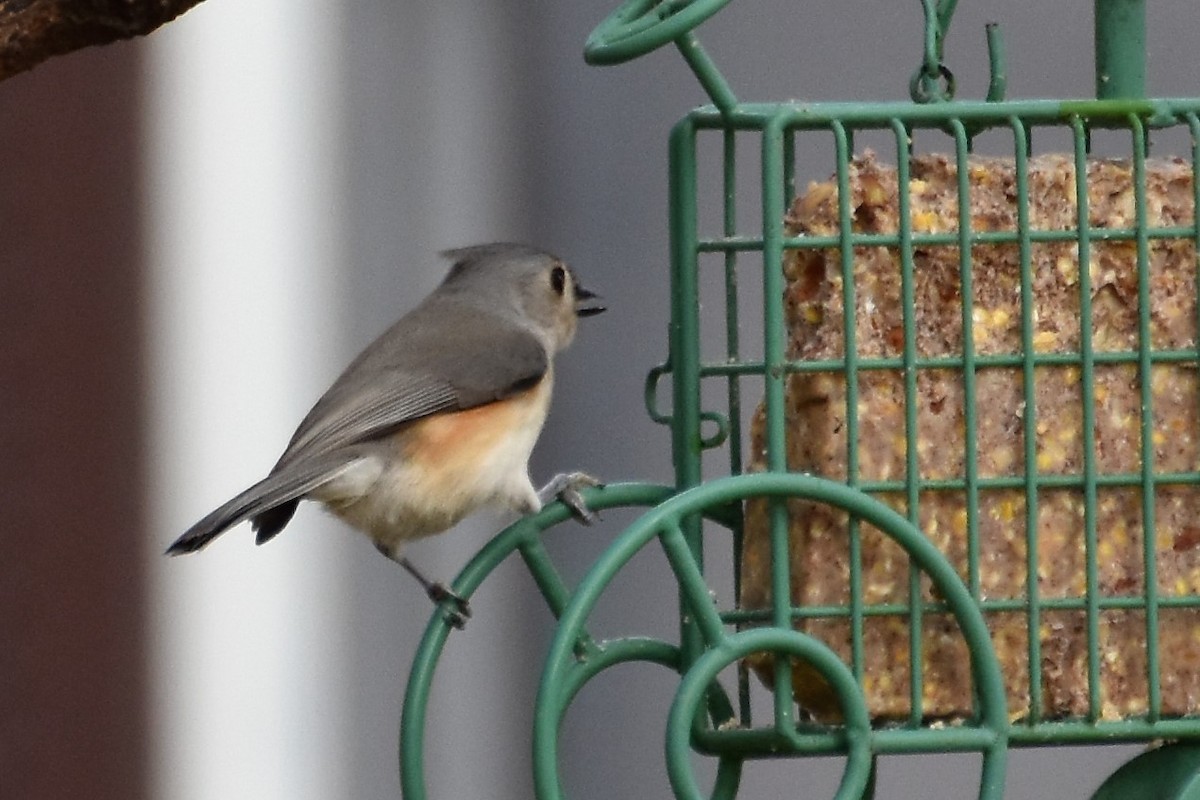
(280,488)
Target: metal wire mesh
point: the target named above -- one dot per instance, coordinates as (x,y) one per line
(778,127)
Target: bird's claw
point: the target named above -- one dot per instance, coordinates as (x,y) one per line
(456,607)
(566,489)
(573,500)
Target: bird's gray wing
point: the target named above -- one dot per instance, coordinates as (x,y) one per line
(366,412)
(438,368)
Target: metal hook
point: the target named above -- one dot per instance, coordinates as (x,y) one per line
(997,69)
(933,81)
(936,88)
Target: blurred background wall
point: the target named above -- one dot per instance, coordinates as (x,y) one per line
(73,583)
(199,231)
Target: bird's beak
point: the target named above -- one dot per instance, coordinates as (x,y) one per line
(582,307)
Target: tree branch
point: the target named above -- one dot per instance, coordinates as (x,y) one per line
(32,31)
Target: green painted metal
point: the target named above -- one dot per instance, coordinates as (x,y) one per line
(1171,772)
(709,718)
(933,81)
(1087,365)
(692,689)
(522,538)
(640,26)
(997,64)
(962,120)
(986,732)
(1120,27)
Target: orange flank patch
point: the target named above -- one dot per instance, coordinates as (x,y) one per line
(465,442)
(447,466)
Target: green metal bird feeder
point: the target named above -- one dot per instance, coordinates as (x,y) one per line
(961,516)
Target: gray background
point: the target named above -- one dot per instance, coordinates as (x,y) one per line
(465,122)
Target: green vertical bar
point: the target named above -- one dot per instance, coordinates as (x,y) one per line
(970,412)
(912,476)
(773,321)
(1193,122)
(733,354)
(1120,28)
(685,342)
(843,153)
(842,144)
(685,306)
(1087,382)
(789,169)
(774,355)
(732,339)
(1029,418)
(1149,538)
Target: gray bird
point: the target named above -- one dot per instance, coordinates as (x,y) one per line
(434,419)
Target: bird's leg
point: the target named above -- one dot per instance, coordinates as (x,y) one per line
(439,594)
(565,487)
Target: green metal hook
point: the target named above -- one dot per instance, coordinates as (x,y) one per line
(933,82)
(997,66)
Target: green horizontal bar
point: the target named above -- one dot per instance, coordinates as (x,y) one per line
(949,739)
(1157,112)
(766,743)
(953,239)
(1016,604)
(1114,480)
(1083,732)
(1007,360)
(946,239)
(729,244)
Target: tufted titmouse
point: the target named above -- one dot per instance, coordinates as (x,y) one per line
(435,418)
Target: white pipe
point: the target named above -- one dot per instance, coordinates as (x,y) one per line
(248,656)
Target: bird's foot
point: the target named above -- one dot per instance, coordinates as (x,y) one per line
(456,607)
(565,487)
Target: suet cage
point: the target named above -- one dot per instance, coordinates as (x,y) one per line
(956,476)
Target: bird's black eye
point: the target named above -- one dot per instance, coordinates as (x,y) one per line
(558,279)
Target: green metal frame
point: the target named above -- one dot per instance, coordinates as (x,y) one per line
(703,718)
